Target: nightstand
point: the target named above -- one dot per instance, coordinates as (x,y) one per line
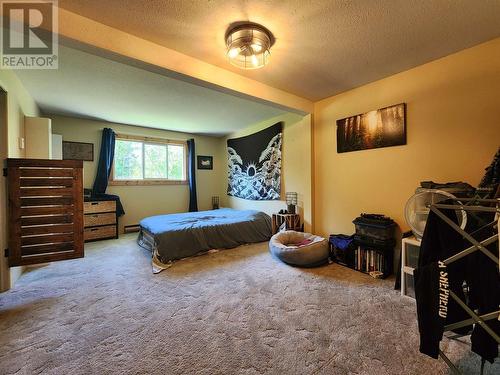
(292,222)
(100,220)
(410,249)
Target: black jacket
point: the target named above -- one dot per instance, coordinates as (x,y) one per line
(433,281)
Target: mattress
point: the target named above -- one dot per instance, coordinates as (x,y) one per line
(176,236)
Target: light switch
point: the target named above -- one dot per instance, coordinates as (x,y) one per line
(21,143)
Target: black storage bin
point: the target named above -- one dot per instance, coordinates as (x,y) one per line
(378,227)
(374,242)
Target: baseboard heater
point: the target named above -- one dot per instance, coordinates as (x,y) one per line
(131,228)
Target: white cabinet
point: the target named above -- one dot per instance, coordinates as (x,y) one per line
(56,147)
(410,249)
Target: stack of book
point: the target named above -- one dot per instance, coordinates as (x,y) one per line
(368,260)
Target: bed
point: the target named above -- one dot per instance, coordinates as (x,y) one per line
(176,236)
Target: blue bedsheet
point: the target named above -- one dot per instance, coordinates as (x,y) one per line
(178,236)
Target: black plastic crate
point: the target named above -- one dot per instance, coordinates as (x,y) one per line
(377,227)
(374,242)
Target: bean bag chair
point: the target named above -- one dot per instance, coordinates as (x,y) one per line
(299,249)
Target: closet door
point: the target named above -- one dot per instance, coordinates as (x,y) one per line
(45,210)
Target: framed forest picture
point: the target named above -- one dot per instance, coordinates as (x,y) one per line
(384,127)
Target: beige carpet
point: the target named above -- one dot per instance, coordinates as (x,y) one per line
(236,311)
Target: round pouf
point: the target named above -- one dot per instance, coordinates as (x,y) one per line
(293,248)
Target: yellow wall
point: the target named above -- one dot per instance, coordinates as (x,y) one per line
(19,104)
(453,122)
(143,201)
(296,166)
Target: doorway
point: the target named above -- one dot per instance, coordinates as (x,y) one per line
(4,265)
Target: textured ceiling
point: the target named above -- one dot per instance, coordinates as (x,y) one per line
(323,47)
(86,85)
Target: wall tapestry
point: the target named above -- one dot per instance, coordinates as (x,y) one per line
(381,128)
(254,165)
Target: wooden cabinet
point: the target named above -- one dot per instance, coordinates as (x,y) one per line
(45,210)
(292,222)
(100,220)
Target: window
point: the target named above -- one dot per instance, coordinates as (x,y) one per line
(148,161)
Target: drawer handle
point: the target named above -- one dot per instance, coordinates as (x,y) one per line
(94,203)
(94,229)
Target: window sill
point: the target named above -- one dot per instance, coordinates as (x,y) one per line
(146,182)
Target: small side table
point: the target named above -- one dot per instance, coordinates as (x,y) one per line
(292,222)
(410,249)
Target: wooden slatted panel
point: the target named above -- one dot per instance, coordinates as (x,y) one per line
(46,172)
(52,182)
(46,210)
(51,201)
(50,248)
(47,192)
(45,220)
(47,229)
(46,238)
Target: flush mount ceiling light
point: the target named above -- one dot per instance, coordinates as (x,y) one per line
(248,45)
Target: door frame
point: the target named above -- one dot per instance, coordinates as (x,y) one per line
(4,261)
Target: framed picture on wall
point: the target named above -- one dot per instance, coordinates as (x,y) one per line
(205,162)
(78,151)
(383,127)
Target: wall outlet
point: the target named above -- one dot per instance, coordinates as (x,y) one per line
(21,143)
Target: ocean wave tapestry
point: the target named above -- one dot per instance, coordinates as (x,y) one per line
(254,165)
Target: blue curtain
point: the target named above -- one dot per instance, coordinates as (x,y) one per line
(105,161)
(193,201)
(104,170)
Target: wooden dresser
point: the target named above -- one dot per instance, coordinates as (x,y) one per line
(100,220)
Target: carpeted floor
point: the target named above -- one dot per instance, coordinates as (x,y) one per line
(236,311)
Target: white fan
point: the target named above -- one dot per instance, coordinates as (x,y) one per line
(418,206)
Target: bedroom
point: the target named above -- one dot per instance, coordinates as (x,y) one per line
(159,74)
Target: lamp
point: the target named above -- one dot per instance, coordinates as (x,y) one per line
(248,45)
(291,201)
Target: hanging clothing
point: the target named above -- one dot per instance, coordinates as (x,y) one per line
(193,200)
(491,178)
(106,156)
(434,280)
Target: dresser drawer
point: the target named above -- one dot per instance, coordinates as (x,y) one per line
(92,220)
(99,232)
(99,206)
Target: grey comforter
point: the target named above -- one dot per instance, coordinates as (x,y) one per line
(177,236)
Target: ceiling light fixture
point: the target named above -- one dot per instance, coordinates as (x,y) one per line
(248,45)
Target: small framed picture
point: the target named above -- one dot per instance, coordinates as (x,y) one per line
(205,162)
(78,151)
